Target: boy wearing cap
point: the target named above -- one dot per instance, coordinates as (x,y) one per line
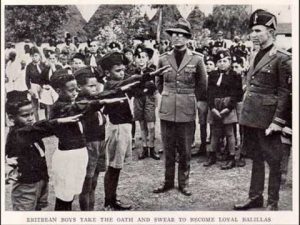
(223,86)
(183,87)
(144,102)
(118,132)
(25,152)
(210,67)
(265,111)
(114,47)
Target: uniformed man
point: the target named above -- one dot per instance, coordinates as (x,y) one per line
(265,110)
(182,88)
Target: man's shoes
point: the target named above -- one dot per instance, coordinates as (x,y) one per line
(185,191)
(161,150)
(153,154)
(117,205)
(241,162)
(229,165)
(144,153)
(163,188)
(211,159)
(272,207)
(257,202)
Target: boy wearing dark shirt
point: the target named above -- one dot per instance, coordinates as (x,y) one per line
(25,152)
(70,160)
(118,133)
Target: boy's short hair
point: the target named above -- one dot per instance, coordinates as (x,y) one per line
(15,100)
(85,73)
(59,79)
(112,59)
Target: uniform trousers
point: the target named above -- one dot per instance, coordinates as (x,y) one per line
(263,148)
(177,137)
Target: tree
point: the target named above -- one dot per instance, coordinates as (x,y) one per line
(33,22)
(233,19)
(196,19)
(103,16)
(170,15)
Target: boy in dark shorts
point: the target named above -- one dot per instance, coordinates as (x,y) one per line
(144,102)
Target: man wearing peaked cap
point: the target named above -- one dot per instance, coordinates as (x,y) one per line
(181,27)
(265,110)
(183,88)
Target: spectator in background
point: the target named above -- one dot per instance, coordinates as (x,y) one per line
(69,48)
(34,79)
(93,58)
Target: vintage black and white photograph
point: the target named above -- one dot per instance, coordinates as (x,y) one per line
(153,107)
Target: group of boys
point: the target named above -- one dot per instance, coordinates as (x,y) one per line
(85,134)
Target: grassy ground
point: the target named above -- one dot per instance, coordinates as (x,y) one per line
(213,189)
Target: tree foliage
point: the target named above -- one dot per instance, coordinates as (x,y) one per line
(170,15)
(34,22)
(103,16)
(196,19)
(231,19)
(126,26)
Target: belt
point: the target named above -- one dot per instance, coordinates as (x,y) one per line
(261,90)
(179,90)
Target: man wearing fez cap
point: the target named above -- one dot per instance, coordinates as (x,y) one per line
(265,111)
(183,87)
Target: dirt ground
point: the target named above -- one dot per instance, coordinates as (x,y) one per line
(213,189)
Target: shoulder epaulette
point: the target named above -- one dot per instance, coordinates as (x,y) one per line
(197,53)
(164,54)
(284,52)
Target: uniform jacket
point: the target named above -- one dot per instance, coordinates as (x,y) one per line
(267,93)
(182,86)
(230,88)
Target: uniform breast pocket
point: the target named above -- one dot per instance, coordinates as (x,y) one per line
(189,75)
(267,76)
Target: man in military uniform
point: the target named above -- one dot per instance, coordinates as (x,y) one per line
(182,88)
(265,110)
